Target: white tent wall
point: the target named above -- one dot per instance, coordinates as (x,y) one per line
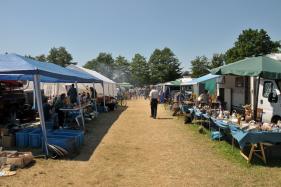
(53,89)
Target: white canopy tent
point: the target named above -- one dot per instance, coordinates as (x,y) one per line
(109,85)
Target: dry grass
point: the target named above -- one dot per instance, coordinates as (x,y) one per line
(130,149)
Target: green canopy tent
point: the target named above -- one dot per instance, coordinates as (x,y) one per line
(261,66)
(175,82)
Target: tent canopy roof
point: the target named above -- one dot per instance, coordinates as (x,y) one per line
(91,72)
(200,79)
(17,67)
(255,66)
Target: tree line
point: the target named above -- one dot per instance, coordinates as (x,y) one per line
(251,42)
(162,66)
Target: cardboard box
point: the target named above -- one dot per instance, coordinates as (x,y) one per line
(8,141)
(4,132)
(20,159)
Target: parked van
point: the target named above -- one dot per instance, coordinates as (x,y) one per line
(270,100)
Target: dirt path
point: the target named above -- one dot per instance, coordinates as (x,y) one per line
(130,149)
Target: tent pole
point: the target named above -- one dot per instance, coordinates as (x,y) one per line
(37,89)
(257,99)
(103,95)
(34,97)
(113,90)
(108,90)
(80,106)
(95,100)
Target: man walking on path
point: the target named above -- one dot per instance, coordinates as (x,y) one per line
(154,97)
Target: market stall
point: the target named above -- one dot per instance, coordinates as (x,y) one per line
(247,128)
(16,67)
(107,88)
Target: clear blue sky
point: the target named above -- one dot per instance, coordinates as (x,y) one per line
(124,27)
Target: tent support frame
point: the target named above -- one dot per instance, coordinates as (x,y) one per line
(40,111)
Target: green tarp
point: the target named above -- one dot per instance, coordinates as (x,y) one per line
(210,85)
(255,66)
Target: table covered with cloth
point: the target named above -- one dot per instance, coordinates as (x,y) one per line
(244,137)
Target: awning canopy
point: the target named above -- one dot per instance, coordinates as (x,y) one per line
(176,82)
(91,72)
(200,79)
(262,66)
(17,67)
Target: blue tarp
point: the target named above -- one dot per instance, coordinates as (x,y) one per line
(244,137)
(16,67)
(201,79)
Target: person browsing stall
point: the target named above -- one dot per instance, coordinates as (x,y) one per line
(154,97)
(46,109)
(204,98)
(72,94)
(60,103)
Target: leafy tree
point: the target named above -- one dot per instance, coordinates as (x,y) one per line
(164,66)
(251,43)
(186,73)
(200,66)
(60,56)
(41,58)
(217,60)
(122,71)
(103,64)
(140,70)
(29,56)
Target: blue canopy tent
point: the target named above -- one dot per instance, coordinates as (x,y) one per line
(16,67)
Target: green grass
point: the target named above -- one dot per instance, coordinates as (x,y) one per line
(221,147)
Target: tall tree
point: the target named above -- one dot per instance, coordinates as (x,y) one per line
(200,66)
(164,66)
(122,72)
(60,56)
(140,70)
(217,60)
(186,74)
(103,64)
(251,42)
(41,58)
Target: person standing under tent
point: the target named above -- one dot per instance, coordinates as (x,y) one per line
(60,103)
(94,96)
(72,94)
(204,98)
(93,93)
(154,97)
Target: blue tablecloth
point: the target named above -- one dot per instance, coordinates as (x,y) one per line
(220,123)
(205,116)
(244,137)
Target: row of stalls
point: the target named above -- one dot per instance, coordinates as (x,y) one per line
(27,86)
(250,91)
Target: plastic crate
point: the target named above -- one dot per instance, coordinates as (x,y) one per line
(69,132)
(67,143)
(22,137)
(65,136)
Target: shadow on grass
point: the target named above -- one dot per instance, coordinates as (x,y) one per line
(97,129)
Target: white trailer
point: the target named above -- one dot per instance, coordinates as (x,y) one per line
(237,91)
